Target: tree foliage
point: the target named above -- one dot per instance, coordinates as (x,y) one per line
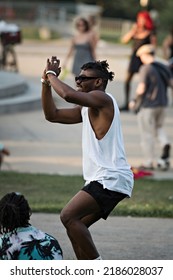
(125,9)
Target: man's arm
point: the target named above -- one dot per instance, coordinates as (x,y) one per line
(52,113)
(140,89)
(94,99)
(135,104)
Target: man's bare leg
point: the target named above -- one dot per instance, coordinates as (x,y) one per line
(77,216)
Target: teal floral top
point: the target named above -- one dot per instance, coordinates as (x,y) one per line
(29,243)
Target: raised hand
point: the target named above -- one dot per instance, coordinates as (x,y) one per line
(53,65)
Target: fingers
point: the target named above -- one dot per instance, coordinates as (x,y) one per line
(55,60)
(54,65)
(54,57)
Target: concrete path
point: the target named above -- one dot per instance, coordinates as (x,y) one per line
(40,147)
(118,238)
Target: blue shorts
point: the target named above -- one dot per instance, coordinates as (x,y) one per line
(105,198)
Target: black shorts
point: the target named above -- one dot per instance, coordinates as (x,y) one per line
(105,198)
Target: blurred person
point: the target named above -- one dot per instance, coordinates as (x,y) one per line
(108,176)
(142,32)
(82,46)
(151,102)
(168,45)
(10,35)
(20,240)
(94,29)
(3,152)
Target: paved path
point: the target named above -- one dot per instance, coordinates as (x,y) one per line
(119,238)
(39,146)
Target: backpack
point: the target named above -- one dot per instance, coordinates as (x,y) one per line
(163,71)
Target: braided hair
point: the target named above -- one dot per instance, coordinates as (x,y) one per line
(14,212)
(101,70)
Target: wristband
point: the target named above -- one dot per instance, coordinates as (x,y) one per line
(45,82)
(51,72)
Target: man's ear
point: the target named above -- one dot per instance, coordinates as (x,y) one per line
(99,82)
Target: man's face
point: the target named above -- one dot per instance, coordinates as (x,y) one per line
(86,81)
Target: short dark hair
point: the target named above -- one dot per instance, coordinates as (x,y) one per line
(101,69)
(14,212)
(85,22)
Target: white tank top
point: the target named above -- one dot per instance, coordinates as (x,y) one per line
(104,160)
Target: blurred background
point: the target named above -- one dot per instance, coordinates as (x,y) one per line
(46,29)
(52,19)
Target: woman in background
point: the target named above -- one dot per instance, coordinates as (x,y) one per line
(141,33)
(83,46)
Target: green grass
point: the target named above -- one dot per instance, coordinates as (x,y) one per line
(49,193)
(110,37)
(33,33)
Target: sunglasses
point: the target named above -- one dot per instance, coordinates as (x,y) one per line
(84,78)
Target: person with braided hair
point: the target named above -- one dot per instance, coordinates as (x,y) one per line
(108,176)
(20,240)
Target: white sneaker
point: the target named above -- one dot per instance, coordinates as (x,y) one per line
(163,164)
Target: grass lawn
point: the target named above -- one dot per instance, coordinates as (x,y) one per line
(49,193)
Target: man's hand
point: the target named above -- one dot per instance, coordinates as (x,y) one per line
(44,75)
(135,104)
(131,105)
(53,65)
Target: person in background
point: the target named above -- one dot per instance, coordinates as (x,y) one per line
(168,45)
(94,29)
(142,32)
(82,46)
(20,240)
(3,152)
(152,100)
